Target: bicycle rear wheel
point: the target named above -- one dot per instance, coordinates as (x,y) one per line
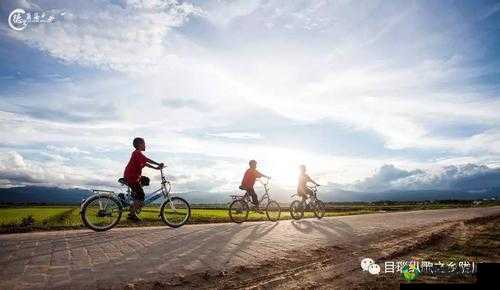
(273,210)
(238,211)
(175,212)
(101,212)
(319,209)
(297,209)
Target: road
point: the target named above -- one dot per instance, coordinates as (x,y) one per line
(82,259)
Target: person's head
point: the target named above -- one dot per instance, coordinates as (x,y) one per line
(302,169)
(253,164)
(139,144)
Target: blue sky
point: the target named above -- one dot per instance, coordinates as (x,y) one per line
(350,88)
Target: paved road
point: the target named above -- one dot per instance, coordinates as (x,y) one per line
(85,259)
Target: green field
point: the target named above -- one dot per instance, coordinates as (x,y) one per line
(17,219)
(39,217)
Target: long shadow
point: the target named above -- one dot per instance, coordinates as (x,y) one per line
(217,238)
(327,227)
(87,240)
(224,242)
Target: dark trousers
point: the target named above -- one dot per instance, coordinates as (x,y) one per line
(253,195)
(137,191)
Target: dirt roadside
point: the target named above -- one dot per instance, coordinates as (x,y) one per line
(338,267)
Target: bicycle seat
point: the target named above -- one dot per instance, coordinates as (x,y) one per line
(122,181)
(242,188)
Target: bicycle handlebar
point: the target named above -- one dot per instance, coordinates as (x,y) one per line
(267,180)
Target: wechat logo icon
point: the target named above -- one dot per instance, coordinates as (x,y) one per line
(369,265)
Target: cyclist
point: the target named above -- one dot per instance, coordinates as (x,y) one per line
(249,181)
(132,175)
(302,190)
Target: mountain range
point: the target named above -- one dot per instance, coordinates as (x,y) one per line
(56,195)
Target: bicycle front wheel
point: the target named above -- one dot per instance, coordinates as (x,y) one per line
(273,210)
(175,212)
(238,211)
(297,209)
(101,212)
(319,209)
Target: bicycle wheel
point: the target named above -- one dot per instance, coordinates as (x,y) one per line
(101,212)
(273,210)
(319,209)
(297,209)
(238,211)
(175,212)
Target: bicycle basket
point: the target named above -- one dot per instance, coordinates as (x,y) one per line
(144,181)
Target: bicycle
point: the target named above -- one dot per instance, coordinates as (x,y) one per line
(103,210)
(239,207)
(297,207)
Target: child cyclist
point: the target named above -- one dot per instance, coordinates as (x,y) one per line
(132,175)
(249,180)
(302,189)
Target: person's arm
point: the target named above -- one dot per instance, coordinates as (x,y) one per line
(154,167)
(152,161)
(312,181)
(149,162)
(262,175)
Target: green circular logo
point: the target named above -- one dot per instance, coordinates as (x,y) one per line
(410,272)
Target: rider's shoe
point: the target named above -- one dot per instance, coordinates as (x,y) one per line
(133,217)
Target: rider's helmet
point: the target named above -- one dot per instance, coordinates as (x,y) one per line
(302,168)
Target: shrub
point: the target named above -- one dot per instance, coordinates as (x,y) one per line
(27,221)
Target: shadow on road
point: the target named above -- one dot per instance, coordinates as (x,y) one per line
(329,228)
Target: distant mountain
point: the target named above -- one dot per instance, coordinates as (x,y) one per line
(41,194)
(198,197)
(409,195)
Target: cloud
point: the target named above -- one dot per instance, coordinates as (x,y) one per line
(453,177)
(67,150)
(237,135)
(180,103)
(132,36)
(344,87)
(16,170)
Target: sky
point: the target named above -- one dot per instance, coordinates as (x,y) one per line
(368,94)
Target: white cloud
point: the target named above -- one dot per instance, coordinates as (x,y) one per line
(350,62)
(134,37)
(451,177)
(237,135)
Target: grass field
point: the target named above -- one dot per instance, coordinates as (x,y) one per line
(29,218)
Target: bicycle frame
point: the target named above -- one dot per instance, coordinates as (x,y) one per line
(163,191)
(246,197)
(118,202)
(312,197)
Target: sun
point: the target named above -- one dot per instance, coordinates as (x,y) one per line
(283,166)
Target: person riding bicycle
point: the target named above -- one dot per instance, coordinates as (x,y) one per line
(249,181)
(132,175)
(302,189)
